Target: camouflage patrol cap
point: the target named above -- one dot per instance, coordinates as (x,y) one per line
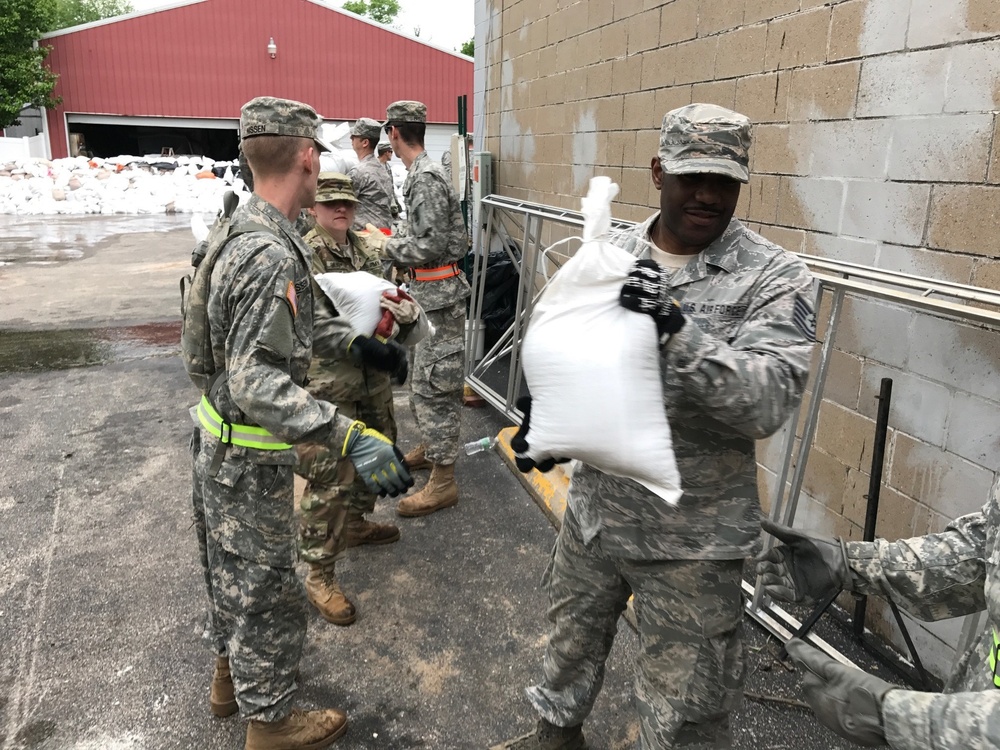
(334,186)
(383,147)
(267,115)
(368,128)
(406,112)
(704,138)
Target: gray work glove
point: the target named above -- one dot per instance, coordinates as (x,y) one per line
(378,462)
(806,568)
(846,700)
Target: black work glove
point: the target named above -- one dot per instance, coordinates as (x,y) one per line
(845,699)
(519,443)
(647,290)
(387,356)
(804,567)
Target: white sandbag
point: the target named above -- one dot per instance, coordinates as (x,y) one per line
(356,296)
(593,367)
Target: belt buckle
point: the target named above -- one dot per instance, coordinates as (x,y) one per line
(226,433)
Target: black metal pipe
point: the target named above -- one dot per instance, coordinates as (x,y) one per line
(874,488)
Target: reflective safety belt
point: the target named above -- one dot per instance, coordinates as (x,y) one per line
(236,434)
(993,658)
(436,274)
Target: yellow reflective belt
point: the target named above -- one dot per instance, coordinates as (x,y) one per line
(237,434)
(993,658)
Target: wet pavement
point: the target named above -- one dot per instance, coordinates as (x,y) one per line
(101,596)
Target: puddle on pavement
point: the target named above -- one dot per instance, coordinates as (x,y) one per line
(36,351)
(34,239)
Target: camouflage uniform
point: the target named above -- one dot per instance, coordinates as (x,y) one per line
(260,309)
(732,375)
(376,201)
(434,235)
(335,493)
(260,326)
(936,577)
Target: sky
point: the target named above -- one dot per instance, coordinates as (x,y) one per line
(446,23)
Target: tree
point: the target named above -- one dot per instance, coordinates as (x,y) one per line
(469,48)
(24,80)
(74,12)
(380,11)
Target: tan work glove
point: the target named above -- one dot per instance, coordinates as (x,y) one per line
(375,239)
(405,310)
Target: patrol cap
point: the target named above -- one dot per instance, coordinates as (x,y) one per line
(405,111)
(383,147)
(704,138)
(267,115)
(334,186)
(368,128)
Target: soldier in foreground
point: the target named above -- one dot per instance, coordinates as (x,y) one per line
(932,577)
(431,242)
(372,183)
(254,413)
(731,311)
(355,377)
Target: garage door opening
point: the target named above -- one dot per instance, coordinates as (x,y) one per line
(108,140)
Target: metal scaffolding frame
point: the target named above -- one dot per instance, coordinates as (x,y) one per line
(835,280)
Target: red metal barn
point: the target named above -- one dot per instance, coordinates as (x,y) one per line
(177,76)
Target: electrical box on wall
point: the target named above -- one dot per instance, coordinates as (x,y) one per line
(482,185)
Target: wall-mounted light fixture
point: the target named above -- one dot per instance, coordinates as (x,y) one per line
(272,48)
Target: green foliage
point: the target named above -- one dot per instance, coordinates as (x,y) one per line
(74,12)
(469,48)
(23,78)
(380,11)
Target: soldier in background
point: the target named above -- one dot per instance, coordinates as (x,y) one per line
(933,577)
(260,328)
(431,242)
(731,311)
(372,184)
(355,377)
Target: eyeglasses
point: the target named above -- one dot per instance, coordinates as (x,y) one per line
(387,128)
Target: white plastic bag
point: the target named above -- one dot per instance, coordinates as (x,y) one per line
(593,367)
(357,296)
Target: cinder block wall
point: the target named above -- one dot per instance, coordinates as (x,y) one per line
(876,141)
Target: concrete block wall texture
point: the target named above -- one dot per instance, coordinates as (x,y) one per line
(877,141)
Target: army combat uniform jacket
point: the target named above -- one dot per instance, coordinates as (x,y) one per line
(260,313)
(934,577)
(731,376)
(375,191)
(334,375)
(433,234)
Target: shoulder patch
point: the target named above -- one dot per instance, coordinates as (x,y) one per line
(293,298)
(804,317)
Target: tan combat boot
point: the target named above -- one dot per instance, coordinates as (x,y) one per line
(222,696)
(325,594)
(416,460)
(439,492)
(300,730)
(362,531)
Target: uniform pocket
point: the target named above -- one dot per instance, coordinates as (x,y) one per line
(718,674)
(439,368)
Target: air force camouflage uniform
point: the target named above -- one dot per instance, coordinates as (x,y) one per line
(260,317)
(731,376)
(434,237)
(359,392)
(935,577)
(372,183)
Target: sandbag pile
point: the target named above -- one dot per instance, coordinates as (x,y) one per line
(121,185)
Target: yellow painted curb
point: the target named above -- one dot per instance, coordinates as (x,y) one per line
(548,490)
